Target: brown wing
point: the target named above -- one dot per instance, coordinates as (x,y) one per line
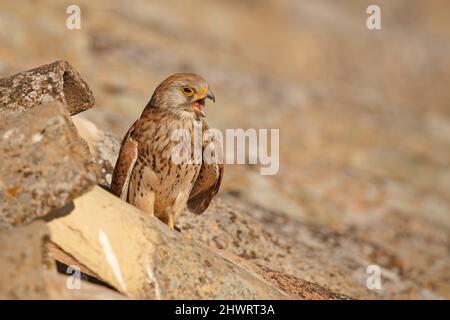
(205,188)
(124,166)
(207,184)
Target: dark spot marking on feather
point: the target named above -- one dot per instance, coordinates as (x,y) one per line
(153,162)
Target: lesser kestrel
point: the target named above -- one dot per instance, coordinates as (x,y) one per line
(145,175)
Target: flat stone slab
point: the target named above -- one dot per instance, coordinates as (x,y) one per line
(143,259)
(45,164)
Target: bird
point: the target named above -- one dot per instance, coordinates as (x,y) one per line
(145,175)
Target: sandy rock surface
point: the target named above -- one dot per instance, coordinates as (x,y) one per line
(45,164)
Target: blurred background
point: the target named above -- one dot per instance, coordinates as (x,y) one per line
(364,116)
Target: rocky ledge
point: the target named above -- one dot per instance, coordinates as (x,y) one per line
(58,219)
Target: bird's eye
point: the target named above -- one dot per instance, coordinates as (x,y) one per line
(188,91)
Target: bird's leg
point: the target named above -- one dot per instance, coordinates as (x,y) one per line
(170,222)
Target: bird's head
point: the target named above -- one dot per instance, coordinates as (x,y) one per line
(181,93)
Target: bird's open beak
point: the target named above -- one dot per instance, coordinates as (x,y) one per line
(198,104)
(210,95)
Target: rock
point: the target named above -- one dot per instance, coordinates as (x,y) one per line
(56,81)
(28,272)
(23,256)
(57,289)
(298,288)
(104,147)
(139,256)
(64,260)
(295,249)
(45,164)
(290,285)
